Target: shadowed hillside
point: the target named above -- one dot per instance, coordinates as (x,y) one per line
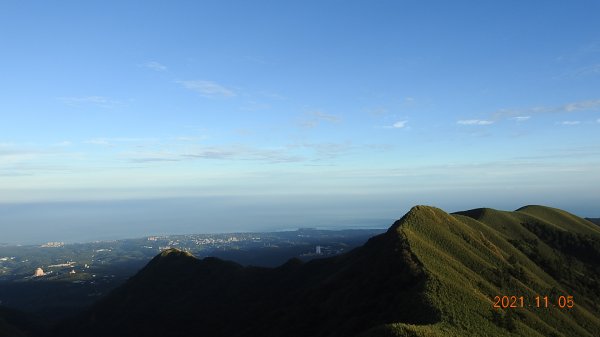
(431,274)
(14,323)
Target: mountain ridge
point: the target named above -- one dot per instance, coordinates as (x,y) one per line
(430,274)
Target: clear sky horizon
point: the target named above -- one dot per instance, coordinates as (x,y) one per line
(273,114)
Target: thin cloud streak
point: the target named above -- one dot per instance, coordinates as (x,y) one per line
(474,122)
(207,88)
(317,117)
(154,66)
(587,105)
(292,153)
(113,141)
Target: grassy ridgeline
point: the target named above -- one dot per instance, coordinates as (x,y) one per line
(473,256)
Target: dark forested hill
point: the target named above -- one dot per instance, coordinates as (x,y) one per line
(431,274)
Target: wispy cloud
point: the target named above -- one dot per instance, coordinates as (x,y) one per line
(590,70)
(581,53)
(598,120)
(325,151)
(207,88)
(154,66)
(379,111)
(93,100)
(150,157)
(281,155)
(221,152)
(255,106)
(521,118)
(570,122)
(316,117)
(564,152)
(326,117)
(271,95)
(98,141)
(189,138)
(31,159)
(474,122)
(587,105)
(113,141)
(399,124)
(583,105)
(291,153)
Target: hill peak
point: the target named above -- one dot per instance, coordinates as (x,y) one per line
(171,256)
(420,214)
(174,252)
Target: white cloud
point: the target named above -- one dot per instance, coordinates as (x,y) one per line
(154,66)
(207,88)
(570,123)
(474,122)
(598,120)
(521,118)
(399,124)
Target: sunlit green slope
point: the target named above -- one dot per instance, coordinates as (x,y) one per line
(473,256)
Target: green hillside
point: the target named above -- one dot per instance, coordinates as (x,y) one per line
(431,274)
(475,255)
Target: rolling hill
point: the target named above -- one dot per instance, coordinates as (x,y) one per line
(431,274)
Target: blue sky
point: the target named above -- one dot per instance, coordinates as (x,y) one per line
(377,106)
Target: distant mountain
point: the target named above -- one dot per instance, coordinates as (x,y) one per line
(431,274)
